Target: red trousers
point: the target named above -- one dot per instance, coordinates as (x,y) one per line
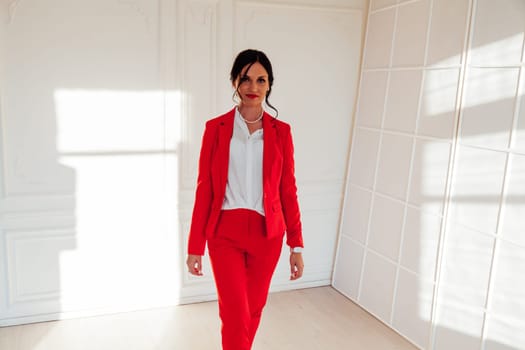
(243,261)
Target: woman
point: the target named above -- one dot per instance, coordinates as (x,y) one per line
(246,198)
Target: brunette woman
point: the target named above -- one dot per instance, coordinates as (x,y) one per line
(245,201)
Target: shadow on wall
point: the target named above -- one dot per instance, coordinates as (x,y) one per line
(479,297)
(482,234)
(444,284)
(91,137)
(37,218)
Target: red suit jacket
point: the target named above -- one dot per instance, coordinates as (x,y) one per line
(279,189)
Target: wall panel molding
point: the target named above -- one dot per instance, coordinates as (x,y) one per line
(199,77)
(315,5)
(35,204)
(4,20)
(29,277)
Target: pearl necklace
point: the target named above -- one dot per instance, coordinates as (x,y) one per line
(252,121)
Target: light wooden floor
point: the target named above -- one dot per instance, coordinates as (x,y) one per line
(308,319)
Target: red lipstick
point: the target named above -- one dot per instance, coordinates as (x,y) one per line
(252,96)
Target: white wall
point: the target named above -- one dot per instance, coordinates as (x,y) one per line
(88,157)
(432,230)
(306,69)
(103,108)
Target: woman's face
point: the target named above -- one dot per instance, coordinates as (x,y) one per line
(252,85)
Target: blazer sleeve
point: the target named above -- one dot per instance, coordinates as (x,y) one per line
(288,192)
(203,195)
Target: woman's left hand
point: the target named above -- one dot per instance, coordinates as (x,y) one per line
(296,266)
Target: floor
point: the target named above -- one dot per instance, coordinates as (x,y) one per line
(307,319)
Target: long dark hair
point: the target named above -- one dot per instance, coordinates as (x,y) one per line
(249,57)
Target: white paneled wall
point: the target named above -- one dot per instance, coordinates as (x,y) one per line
(305,69)
(87,215)
(103,104)
(432,233)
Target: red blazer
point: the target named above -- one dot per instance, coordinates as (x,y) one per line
(279,189)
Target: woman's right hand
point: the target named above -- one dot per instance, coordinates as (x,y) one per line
(194,263)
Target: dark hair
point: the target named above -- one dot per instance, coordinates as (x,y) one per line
(249,57)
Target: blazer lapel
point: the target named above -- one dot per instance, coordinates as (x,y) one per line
(269,147)
(225,133)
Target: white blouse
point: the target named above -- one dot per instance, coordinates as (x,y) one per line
(245,168)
